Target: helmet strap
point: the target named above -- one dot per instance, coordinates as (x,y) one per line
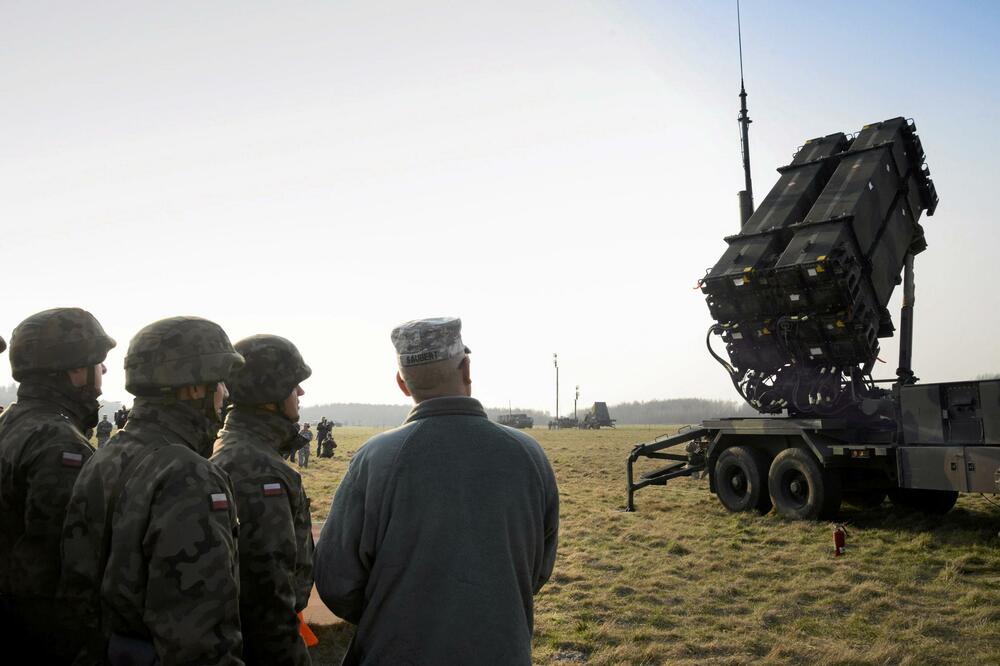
(205,406)
(85,396)
(208,403)
(279,407)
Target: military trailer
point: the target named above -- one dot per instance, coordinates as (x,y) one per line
(520,421)
(564,422)
(597,417)
(800,301)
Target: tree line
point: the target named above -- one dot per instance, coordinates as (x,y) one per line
(681,410)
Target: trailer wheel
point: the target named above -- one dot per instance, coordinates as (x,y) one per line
(800,488)
(937,502)
(741,480)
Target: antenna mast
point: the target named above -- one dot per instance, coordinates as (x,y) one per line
(746,195)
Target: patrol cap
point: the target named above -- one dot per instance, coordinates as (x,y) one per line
(424,341)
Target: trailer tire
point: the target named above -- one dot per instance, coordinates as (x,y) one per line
(937,502)
(741,480)
(801,488)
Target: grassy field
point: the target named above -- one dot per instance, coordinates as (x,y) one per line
(682,581)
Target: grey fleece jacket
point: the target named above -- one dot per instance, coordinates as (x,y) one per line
(440,534)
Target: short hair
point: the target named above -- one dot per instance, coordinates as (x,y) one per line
(429,376)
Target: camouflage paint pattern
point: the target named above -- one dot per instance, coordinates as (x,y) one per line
(42,451)
(428,341)
(276,544)
(57,339)
(172,576)
(178,351)
(273,368)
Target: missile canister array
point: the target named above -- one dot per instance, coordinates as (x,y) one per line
(803,288)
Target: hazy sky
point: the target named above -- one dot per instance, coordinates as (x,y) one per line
(559,174)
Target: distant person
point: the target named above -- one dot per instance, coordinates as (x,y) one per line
(275,540)
(444,528)
(329,444)
(121,417)
(307,435)
(322,432)
(104,429)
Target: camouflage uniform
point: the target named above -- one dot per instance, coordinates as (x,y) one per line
(171,577)
(104,429)
(42,449)
(276,544)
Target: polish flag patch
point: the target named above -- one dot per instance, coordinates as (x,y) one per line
(70,459)
(219,501)
(273,489)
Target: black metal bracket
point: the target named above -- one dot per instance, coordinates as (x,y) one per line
(682,465)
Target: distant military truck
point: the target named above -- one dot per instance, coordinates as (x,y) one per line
(520,421)
(597,417)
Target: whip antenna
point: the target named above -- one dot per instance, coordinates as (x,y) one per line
(746,195)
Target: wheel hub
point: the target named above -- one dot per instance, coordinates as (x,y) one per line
(798,488)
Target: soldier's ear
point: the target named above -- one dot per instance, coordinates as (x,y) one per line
(466,372)
(402,385)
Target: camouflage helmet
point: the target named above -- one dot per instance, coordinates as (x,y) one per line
(3,345)
(58,339)
(274,367)
(178,351)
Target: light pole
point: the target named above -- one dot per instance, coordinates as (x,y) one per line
(575,398)
(555,362)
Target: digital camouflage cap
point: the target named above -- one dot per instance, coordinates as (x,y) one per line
(178,351)
(57,339)
(428,341)
(273,368)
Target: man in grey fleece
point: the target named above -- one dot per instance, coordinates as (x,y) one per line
(444,528)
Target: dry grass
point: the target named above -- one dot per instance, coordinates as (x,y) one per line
(682,581)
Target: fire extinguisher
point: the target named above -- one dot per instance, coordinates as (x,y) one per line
(839,540)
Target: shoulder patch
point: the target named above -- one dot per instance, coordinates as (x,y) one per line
(70,459)
(273,489)
(219,501)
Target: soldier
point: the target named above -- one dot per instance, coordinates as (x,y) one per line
(329,444)
(276,544)
(121,417)
(149,541)
(104,429)
(306,435)
(322,432)
(442,529)
(58,356)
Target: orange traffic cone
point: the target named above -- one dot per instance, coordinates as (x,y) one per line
(307,634)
